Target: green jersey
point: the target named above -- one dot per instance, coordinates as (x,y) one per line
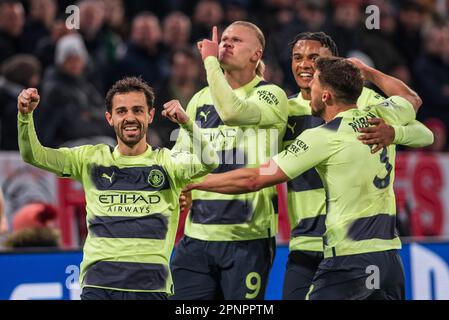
(306,196)
(131,203)
(360,204)
(247,139)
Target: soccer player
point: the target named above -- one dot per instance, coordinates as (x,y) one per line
(229,243)
(131,191)
(306,194)
(360,215)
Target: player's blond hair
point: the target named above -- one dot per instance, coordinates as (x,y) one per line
(260,69)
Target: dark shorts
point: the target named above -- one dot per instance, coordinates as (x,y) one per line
(299,273)
(371,276)
(215,270)
(91,293)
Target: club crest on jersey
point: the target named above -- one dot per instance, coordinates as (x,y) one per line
(156,178)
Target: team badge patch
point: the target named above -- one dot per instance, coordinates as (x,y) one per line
(156,178)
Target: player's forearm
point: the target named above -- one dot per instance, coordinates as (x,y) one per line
(413,135)
(392,86)
(202,148)
(32,151)
(232,109)
(233,182)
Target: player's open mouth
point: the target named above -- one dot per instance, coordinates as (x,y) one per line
(131,129)
(306,76)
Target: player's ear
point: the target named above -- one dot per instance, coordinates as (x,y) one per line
(257,55)
(109,118)
(151,115)
(326,96)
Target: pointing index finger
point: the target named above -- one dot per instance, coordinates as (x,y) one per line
(214,34)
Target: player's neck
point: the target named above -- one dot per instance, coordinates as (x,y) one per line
(238,78)
(332,111)
(305,93)
(135,150)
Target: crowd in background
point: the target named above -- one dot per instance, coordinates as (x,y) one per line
(157,39)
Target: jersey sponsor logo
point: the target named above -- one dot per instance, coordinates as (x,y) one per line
(361,122)
(207,117)
(297,146)
(297,124)
(268,97)
(156,178)
(129,198)
(106,176)
(204,115)
(292,127)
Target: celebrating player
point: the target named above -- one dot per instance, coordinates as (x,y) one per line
(306,194)
(131,191)
(229,243)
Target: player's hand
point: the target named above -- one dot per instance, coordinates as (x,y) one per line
(27,100)
(185,200)
(209,47)
(379,134)
(175,112)
(364,68)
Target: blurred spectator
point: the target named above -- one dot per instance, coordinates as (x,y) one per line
(431,73)
(176,31)
(408,32)
(183,83)
(208,13)
(3,221)
(115,18)
(18,72)
(439,131)
(144,55)
(100,44)
(347,29)
(45,48)
(310,16)
(34,225)
(71,106)
(42,14)
(235,11)
(379,44)
(276,14)
(12,20)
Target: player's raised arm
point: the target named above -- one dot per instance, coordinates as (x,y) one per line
(31,150)
(203,159)
(233,108)
(391,86)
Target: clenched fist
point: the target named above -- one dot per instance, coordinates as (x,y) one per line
(175,112)
(27,100)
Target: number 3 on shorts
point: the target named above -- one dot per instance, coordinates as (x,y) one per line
(253,283)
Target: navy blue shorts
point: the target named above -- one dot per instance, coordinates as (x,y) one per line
(91,293)
(371,276)
(299,273)
(216,270)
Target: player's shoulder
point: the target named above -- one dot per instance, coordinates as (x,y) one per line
(331,126)
(201,96)
(271,94)
(390,102)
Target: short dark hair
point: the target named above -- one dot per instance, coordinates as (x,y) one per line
(130,84)
(323,38)
(343,77)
